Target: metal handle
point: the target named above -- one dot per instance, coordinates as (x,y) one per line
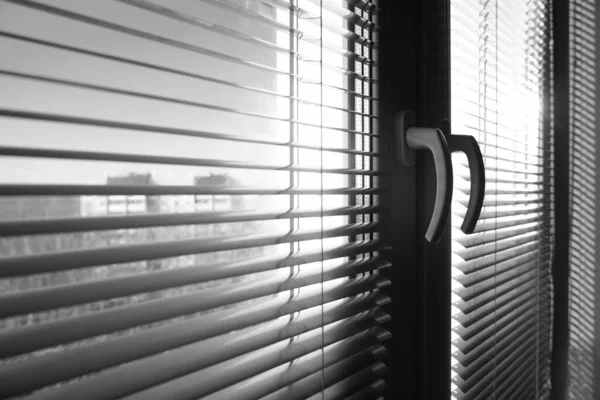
(434,140)
(408,140)
(469,146)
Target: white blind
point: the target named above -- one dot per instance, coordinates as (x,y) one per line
(188,203)
(501,273)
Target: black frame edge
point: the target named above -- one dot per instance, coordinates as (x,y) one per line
(560,262)
(434,260)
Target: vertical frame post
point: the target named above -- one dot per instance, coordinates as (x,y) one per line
(434,260)
(560,262)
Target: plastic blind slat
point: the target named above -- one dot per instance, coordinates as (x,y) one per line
(212,349)
(510,355)
(379,387)
(302,374)
(189,387)
(311,384)
(58,261)
(69,295)
(488,324)
(81,224)
(77,328)
(344,388)
(487,311)
(171,336)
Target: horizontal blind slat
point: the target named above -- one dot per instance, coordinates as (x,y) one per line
(204,382)
(158,39)
(124,349)
(147,159)
(32,115)
(34,337)
(515,376)
(375,390)
(494,224)
(498,246)
(302,347)
(508,354)
(313,383)
(493,278)
(466,190)
(304,373)
(485,261)
(469,317)
(59,261)
(75,190)
(513,331)
(349,385)
(180,72)
(510,308)
(487,213)
(503,202)
(500,323)
(165,11)
(167,99)
(12,304)
(43,371)
(483,238)
(489,298)
(80,224)
(358,39)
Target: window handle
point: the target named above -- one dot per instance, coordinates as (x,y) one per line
(469,146)
(412,139)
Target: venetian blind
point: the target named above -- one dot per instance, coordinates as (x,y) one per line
(582,166)
(501,273)
(188,203)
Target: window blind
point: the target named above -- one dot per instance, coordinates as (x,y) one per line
(501,273)
(582,210)
(189,207)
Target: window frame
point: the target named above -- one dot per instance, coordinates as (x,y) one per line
(415,72)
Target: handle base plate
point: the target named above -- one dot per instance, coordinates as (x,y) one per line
(405,156)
